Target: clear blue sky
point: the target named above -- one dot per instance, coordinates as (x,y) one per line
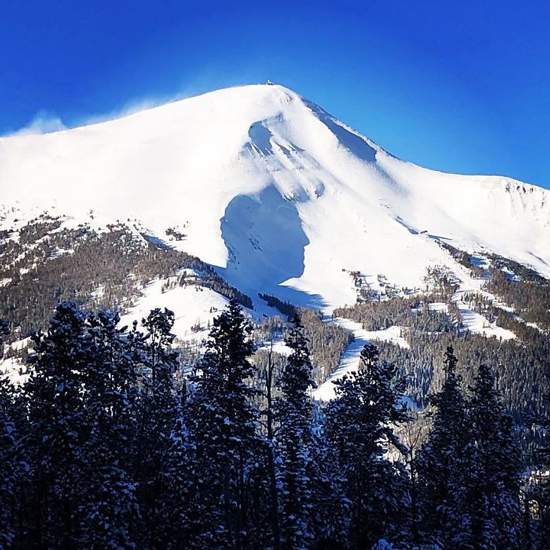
(458,86)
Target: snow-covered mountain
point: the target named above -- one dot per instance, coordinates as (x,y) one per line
(276,193)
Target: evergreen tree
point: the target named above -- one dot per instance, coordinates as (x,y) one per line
(444,465)
(9,482)
(57,428)
(543,489)
(157,417)
(12,469)
(360,426)
(109,392)
(268,412)
(495,487)
(294,410)
(104,447)
(222,425)
(329,516)
(178,496)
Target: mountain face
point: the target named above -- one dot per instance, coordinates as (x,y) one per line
(275,194)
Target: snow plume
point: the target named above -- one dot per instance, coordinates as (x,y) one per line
(43,122)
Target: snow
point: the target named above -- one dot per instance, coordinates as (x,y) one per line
(194,308)
(18,345)
(16,371)
(438,306)
(350,359)
(392,334)
(274,192)
(277,346)
(478,324)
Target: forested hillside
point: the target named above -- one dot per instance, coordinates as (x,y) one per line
(107,445)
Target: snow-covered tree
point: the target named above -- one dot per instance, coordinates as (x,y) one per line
(12,459)
(444,465)
(496,476)
(329,515)
(57,427)
(222,424)
(294,410)
(157,417)
(109,501)
(360,425)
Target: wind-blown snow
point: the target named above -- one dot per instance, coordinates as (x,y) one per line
(276,193)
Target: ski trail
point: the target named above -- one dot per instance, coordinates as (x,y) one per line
(349,360)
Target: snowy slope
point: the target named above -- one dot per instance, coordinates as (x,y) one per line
(194,308)
(276,193)
(350,360)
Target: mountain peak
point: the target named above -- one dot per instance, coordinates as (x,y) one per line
(275,192)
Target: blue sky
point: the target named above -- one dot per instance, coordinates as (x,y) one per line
(456,86)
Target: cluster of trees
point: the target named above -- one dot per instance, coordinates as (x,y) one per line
(107,447)
(411,312)
(442,281)
(522,370)
(530,299)
(47,263)
(523,373)
(326,341)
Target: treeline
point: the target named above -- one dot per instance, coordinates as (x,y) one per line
(522,371)
(411,312)
(108,446)
(522,365)
(530,299)
(46,264)
(326,341)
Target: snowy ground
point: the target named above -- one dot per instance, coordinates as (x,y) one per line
(478,324)
(194,308)
(351,356)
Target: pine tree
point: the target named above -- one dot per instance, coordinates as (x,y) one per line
(157,418)
(12,469)
(445,463)
(294,410)
(178,497)
(360,424)
(270,449)
(541,487)
(329,517)
(496,479)
(109,392)
(222,424)
(57,429)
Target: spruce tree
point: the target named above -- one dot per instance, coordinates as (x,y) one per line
(12,468)
(444,465)
(329,518)
(157,418)
(9,451)
(222,424)
(496,477)
(294,410)
(57,427)
(360,426)
(109,392)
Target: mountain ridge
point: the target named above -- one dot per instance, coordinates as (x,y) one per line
(277,194)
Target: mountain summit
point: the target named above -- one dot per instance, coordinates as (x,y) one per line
(274,192)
